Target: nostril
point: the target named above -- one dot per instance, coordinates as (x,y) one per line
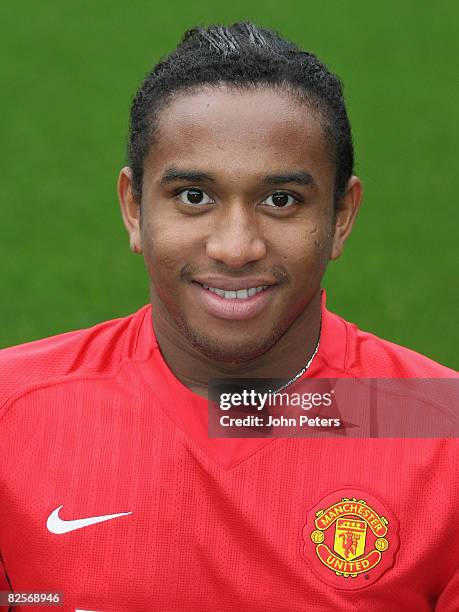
(236,253)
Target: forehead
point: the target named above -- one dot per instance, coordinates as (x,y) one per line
(243,131)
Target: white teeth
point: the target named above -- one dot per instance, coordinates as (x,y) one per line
(241,294)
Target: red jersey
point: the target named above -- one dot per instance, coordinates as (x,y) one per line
(112,493)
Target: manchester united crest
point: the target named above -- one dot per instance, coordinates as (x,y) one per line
(350,539)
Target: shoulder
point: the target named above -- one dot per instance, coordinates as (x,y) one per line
(369,356)
(96,350)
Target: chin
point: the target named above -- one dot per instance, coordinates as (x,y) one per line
(228,350)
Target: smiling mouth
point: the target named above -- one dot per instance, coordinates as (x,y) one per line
(240,294)
(235,304)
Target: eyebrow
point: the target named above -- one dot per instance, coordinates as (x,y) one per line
(173,174)
(300,178)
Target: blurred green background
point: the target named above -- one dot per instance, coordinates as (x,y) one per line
(69,70)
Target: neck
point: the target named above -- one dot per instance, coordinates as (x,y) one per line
(284,360)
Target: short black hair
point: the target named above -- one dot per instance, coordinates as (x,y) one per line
(241,56)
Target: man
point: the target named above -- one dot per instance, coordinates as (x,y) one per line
(239,191)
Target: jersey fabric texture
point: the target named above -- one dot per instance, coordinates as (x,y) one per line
(94,423)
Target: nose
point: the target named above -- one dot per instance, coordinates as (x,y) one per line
(235,239)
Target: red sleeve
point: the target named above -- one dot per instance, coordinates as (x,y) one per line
(449,599)
(98,349)
(4,584)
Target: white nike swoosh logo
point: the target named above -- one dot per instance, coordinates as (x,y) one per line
(57,525)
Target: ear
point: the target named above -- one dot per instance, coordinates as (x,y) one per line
(130,209)
(346,215)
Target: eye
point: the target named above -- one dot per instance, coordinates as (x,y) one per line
(280,199)
(194,197)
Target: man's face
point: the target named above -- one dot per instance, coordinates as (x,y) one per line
(237,196)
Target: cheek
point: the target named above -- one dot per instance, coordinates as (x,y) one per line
(165,245)
(163,252)
(306,253)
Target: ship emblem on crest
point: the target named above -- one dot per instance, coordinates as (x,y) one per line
(352,541)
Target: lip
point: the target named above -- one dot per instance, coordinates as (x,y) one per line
(234,284)
(233,309)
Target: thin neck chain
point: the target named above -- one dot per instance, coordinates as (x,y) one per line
(303,369)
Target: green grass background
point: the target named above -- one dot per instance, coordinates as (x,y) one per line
(69,70)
